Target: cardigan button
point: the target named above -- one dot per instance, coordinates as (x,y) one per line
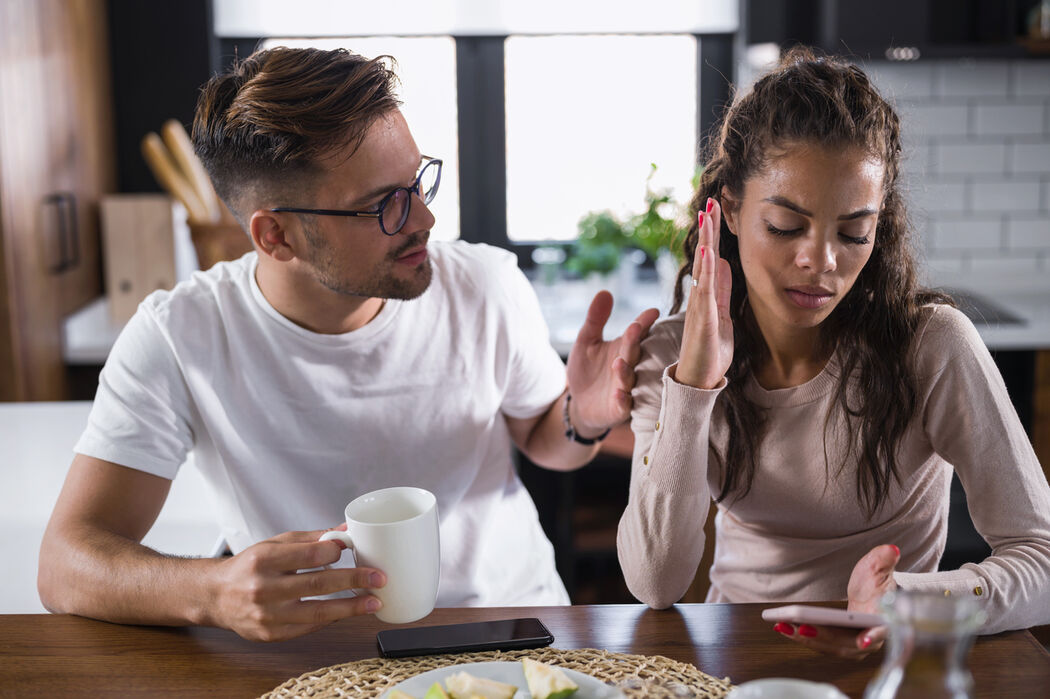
(947,593)
(645,460)
(657,426)
(978,591)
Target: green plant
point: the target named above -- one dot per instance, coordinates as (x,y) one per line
(598,244)
(603,237)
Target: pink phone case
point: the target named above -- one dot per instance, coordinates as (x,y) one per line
(822,616)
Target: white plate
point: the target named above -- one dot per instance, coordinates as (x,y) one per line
(785,688)
(508,672)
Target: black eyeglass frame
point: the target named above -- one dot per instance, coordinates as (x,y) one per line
(378,212)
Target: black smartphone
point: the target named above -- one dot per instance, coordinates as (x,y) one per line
(504,634)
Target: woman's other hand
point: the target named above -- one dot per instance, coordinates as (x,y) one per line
(707,342)
(871,579)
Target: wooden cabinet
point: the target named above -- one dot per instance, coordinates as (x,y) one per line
(56,146)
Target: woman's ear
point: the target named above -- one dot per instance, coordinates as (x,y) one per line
(730,209)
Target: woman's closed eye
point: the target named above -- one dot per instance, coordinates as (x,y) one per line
(855,240)
(789,232)
(783,232)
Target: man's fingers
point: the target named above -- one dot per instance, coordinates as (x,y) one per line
(288,557)
(631,340)
(624,374)
(297,537)
(322,612)
(597,315)
(645,321)
(327,582)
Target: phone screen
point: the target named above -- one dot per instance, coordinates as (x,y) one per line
(504,634)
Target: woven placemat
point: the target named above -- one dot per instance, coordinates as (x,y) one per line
(635,675)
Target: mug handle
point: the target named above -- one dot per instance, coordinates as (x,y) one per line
(345,538)
(342,536)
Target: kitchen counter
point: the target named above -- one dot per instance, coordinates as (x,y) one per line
(38,440)
(1009,315)
(89,333)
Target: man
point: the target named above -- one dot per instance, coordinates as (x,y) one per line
(343,355)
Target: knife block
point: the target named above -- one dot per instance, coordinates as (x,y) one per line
(218,242)
(140,238)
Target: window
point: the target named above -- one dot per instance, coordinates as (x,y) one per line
(427,69)
(585,117)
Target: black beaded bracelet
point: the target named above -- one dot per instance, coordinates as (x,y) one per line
(570,431)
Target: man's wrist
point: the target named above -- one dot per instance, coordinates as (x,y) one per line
(574,431)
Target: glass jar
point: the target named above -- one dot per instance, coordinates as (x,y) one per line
(929,637)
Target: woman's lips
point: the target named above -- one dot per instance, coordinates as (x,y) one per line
(413,258)
(811,298)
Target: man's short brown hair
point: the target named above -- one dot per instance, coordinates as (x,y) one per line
(263,126)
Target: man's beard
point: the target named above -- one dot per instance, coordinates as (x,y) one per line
(381,282)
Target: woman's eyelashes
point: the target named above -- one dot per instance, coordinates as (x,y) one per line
(789,232)
(783,232)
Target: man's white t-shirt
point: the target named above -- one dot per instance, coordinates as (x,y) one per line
(288,425)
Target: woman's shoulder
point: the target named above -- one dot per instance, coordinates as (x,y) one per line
(940,322)
(665,337)
(943,332)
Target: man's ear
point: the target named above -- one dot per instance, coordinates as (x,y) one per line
(269,235)
(730,209)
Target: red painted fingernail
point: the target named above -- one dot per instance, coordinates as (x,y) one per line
(701,252)
(807,631)
(710,204)
(700,219)
(786,629)
(865,642)
(896,550)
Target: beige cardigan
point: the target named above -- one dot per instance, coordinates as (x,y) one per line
(797,535)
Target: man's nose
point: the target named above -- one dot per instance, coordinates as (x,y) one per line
(420,218)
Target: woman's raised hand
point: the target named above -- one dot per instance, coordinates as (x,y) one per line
(707,343)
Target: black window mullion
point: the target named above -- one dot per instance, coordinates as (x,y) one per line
(714,73)
(482,140)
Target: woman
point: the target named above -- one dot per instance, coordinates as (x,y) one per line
(815,393)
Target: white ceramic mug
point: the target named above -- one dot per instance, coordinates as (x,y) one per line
(396,531)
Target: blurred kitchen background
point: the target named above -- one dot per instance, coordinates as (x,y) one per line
(571,132)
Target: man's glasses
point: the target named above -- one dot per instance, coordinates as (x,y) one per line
(394,208)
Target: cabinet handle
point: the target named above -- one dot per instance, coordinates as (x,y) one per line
(65,204)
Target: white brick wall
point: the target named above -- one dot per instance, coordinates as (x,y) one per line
(1016,196)
(977,170)
(1024,118)
(962,158)
(970,78)
(1031,234)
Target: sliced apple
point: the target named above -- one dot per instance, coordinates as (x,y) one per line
(547,681)
(462,685)
(436,691)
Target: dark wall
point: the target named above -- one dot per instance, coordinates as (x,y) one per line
(161,53)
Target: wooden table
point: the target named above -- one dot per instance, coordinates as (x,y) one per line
(53,656)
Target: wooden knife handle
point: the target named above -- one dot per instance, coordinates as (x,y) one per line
(181,148)
(168,175)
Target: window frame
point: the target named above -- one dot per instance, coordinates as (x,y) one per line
(480,88)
